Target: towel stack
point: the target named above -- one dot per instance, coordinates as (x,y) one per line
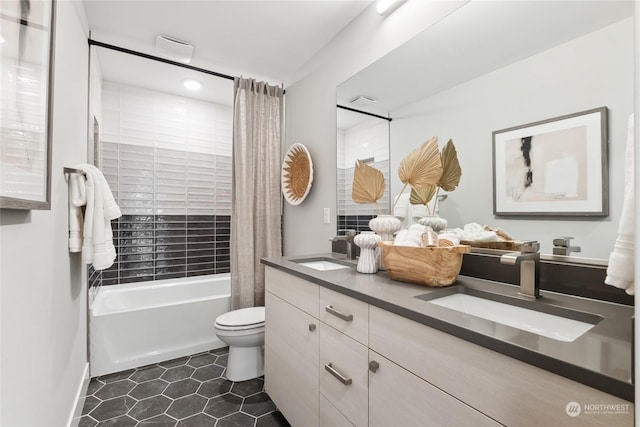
(620,272)
(92,235)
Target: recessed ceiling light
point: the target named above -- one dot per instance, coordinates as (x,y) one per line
(386,7)
(192,84)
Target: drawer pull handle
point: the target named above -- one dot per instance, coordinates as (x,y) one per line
(345,317)
(373,366)
(312,327)
(344,380)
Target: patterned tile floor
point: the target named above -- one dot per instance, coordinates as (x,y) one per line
(186,392)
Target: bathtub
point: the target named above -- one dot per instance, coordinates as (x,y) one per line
(132,325)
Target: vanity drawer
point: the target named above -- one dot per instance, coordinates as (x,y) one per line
(346,314)
(468,371)
(330,416)
(344,374)
(296,291)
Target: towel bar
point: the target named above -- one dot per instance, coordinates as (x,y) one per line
(74,170)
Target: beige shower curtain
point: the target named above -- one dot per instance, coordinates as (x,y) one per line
(256,198)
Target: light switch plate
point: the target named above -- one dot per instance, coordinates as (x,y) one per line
(327,215)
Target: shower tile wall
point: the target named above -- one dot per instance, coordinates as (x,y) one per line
(168,162)
(365,141)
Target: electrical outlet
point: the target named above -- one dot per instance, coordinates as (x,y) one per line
(327,215)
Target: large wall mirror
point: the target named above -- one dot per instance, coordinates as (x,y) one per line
(490,66)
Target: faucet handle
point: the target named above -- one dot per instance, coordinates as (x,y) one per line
(562,241)
(531,246)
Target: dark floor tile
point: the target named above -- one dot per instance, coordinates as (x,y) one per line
(122,421)
(112,408)
(174,362)
(147,373)
(182,388)
(274,419)
(224,405)
(258,404)
(215,387)
(208,372)
(94,385)
(90,402)
(116,376)
(148,389)
(222,360)
(115,389)
(162,420)
(87,421)
(200,360)
(238,419)
(177,373)
(150,407)
(198,420)
(247,388)
(187,406)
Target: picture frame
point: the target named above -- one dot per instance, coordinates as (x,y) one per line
(553,167)
(26,111)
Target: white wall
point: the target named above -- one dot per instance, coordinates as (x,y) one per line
(42,291)
(311,109)
(592,71)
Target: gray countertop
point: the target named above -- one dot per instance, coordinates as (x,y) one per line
(600,358)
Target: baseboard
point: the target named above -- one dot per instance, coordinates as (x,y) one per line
(76,413)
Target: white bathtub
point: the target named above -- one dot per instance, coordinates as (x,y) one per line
(137,324)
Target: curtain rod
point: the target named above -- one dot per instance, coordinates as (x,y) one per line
(156,58)
(364,112)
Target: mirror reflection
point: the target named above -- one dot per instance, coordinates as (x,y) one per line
(494,65)
(360,137)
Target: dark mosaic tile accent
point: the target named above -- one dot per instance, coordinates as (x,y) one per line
(156,247)
(215,402)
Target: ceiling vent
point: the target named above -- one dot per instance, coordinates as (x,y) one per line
(362,101)
(173,48)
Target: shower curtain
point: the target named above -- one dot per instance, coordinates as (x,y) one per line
(256,198)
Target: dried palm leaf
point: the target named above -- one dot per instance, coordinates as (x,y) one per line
(423,166)
(451,171)
(422,195)
(368,184)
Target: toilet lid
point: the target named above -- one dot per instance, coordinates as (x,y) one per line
(242,317)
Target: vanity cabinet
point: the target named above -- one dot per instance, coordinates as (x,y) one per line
(333,360)
(507,390)
(291,346)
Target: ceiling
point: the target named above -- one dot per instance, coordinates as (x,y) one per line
(480,37)
(266,40)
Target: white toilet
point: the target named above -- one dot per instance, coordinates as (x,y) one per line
(243,331)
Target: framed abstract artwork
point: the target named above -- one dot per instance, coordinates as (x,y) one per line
(553,167)
(26,78)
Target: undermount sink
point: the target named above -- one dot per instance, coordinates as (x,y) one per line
(320,264)
(550,321)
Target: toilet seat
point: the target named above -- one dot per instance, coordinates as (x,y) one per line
(242,319)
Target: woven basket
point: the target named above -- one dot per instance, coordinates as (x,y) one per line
(430,266)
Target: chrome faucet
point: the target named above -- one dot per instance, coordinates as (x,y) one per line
(529,260)
(351,250)
(562,246)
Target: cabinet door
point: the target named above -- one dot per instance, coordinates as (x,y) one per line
(291,361)
(343,374)
(399,398)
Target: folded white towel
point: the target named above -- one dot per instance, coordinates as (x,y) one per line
(97,243)
(620,272)
(77,199)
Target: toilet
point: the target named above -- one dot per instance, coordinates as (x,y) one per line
(243,331)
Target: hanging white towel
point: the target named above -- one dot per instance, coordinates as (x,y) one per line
(620,272)
(97,236)
(77,199)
